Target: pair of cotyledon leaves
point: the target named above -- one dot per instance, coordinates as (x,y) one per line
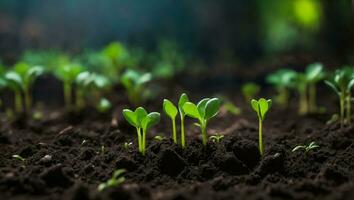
(171,110)
(140,118)
(87,79)
(23,75)
(261,107)
(343,79)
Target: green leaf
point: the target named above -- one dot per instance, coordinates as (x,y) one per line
(314,72)
(14,80)
(182,100)
(212,108)
(191,110)
(254,104)
(140,115)
(170,109)
(264,105)
(201,107)
(333,86)
(150,120)
(131,117)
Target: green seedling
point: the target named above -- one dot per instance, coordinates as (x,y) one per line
(68,74)
(18,157)
(90,87)
(183,99)
(127,145)
(314,73)
(135,84)
(159,138)
(203,112)
(307,148)
(104,105)
(261,107)
(216,138)
(116,180)
(283,80)
(21,80)
(230,107)
(250,90)
(142,121)
(342,84)
(171,111)
(103,149)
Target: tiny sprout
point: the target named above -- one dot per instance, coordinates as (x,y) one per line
(311,146)
(171,111)
(141,120)
(134,82)
(231,108)
(102,149)
(250,90)
(159,138)
(127,145)
(116,180)
(203,111)
(261,107)
(216,138)
(18,157)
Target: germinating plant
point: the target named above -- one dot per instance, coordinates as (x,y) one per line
(283,80)
(216,138)
(250,90)
(142,121)
(307,148)
(68,74)
(261,107)
(203,112)
(342,84)
(314,73)
(21,80)
(116,180)
(135,84)
(171,111)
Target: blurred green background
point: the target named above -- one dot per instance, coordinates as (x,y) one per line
(213,31)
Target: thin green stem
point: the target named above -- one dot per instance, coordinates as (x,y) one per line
(204,132)
(303,104)
(260,137)
(174,130)
(312,98)
(183,142)
(341,105)
(138,131)
(18,102)
(348,107)
(143,142)
(79,98)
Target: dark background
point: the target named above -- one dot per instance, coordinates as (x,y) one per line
(213,30)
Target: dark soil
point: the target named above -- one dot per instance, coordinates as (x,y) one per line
(64,159)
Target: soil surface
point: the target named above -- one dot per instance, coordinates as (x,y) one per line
(64,158)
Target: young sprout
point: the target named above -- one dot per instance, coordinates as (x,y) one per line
(314,73)
(171,111)
(142,121)
(342,84)
(116,180)
(203,112)
(159,138)
(261,107)
(20,80)
(68,74)
(216,138)
(90,86)
(250,90)
(307,148)
(18,157)
(127,145)
(230,107)
(134,83)
(183,99)
(283,80)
